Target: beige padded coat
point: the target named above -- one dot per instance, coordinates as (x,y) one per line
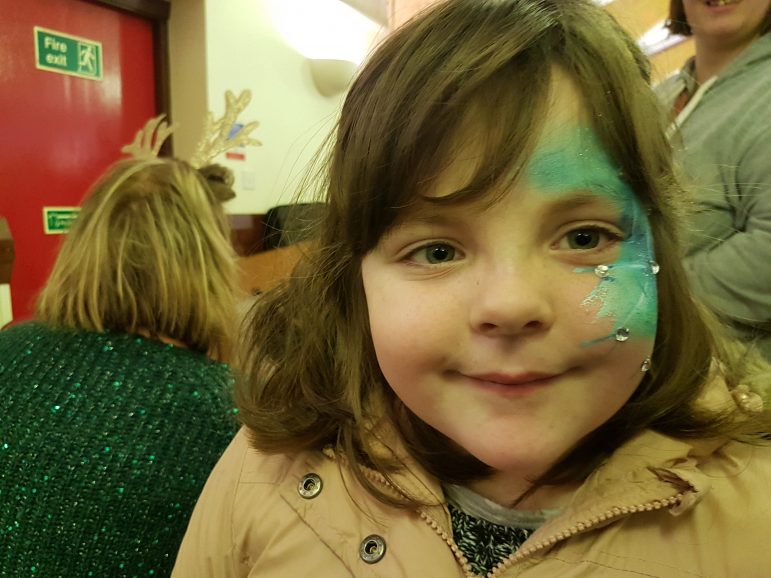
(659,507)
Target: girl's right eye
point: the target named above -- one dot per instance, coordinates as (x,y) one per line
(434,254)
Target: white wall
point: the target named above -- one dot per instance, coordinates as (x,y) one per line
(188,69)
(244,50)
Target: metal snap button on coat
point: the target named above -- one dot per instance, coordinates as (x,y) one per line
(310,486)
(372,549)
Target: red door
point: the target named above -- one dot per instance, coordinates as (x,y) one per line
(58,132)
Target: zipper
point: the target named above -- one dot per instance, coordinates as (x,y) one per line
(464,563)
(613,513)
(379,478)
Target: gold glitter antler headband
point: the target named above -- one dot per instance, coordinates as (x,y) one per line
(148,140)
(221,140)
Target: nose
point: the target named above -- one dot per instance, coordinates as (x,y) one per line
(512,300)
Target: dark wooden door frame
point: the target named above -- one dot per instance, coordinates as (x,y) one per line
(157,11)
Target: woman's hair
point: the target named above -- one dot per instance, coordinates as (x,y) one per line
(313,375)
(677,23)
(149,252)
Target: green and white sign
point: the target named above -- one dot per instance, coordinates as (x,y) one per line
(66,54)
(58,220)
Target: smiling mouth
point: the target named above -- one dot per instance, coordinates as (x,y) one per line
(715,3)
(513,380)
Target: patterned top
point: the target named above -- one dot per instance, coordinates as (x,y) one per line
(106,441)
(486,532)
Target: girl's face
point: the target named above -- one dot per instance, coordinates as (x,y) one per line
(517,329)
(726,21)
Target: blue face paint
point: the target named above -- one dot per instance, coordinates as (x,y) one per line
(576,161)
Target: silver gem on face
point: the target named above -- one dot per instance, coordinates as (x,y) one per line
(646,365)
(622,334)
(655,267)
(601,271)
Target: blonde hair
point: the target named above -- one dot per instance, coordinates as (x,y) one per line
(149,252)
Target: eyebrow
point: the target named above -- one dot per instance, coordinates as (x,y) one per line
(426,215)
(579,199)
(443,215)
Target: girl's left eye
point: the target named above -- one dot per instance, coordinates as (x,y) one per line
(588,238)
(434,254)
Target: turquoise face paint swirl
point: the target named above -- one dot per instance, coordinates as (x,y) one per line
(576,161)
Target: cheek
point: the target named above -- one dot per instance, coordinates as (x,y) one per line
(625,296)
(615,335)
(763,9)
(624,303)
(688,7)
(582,305)
(404,350)
(618,370)
(408,331)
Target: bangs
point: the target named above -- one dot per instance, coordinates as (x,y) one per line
(495,134)
(401,124)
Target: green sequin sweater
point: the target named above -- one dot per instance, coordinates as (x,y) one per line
(106,441)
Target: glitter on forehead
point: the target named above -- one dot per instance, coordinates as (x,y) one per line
(575,160)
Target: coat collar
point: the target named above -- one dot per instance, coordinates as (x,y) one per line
(651,468)
(651,471)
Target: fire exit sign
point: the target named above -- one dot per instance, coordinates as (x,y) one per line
(58,220)
(66,54)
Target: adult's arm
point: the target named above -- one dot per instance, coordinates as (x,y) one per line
(734,277)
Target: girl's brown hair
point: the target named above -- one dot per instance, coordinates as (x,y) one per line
(149,252)
(677,23)
(313,375)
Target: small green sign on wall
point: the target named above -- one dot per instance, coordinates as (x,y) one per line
(58,220)
(66,54)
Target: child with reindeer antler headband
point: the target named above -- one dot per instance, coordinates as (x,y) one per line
(115,404)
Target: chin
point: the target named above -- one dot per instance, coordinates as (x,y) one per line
(523,464)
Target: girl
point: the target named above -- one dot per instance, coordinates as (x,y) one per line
(492,366)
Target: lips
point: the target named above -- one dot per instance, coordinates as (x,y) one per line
(716,3)
(528,378)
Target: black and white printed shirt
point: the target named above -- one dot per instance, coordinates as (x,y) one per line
(488,533)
